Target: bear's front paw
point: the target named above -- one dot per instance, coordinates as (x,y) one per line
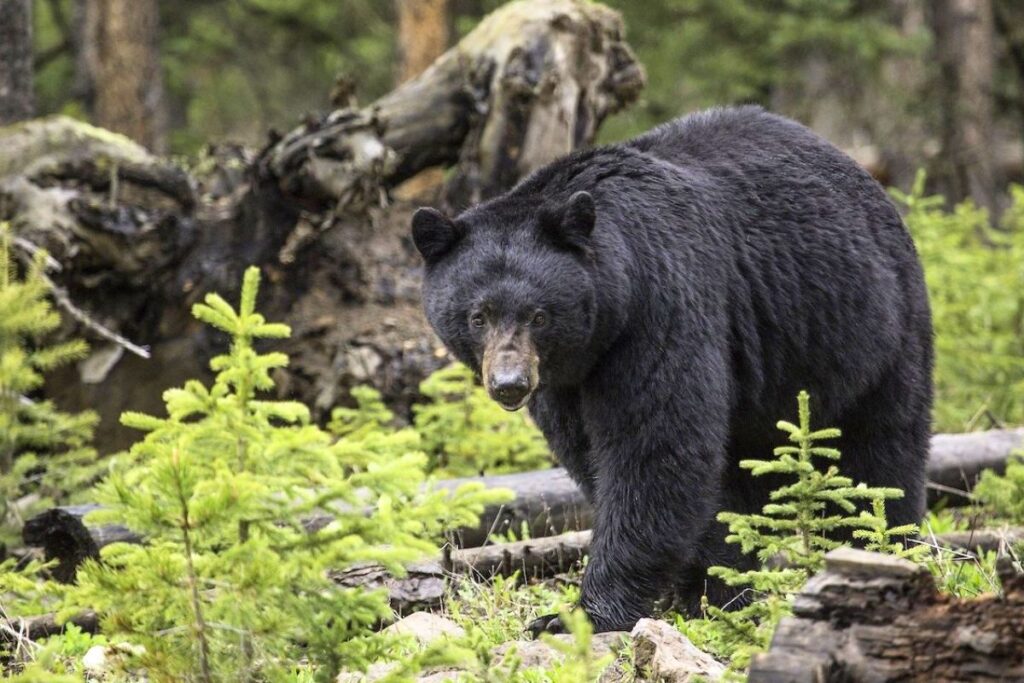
(549,623)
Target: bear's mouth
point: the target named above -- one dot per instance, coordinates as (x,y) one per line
(512,406)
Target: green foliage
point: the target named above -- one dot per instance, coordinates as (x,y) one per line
(1003,494)
(230,584)
(578,664)
(789,537)
(462,431)
(700,53)
(44,453)
(964,575)
(496,611)
(494,614)
(975,276)
(466,433)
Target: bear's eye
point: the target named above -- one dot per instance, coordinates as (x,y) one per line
(539,319)
(477,320)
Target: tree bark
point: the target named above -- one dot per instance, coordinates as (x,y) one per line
(127,78)
(16,92)
(422,35)
(964,48)
(873,617)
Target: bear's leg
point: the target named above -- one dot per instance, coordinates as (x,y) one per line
(692,582)
(657,437)
(885,440)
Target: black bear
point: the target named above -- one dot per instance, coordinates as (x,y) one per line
(658,304)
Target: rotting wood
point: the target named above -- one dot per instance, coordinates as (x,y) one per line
(871,617)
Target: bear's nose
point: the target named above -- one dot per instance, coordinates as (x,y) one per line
(509,389)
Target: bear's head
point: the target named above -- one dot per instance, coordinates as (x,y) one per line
(508,287)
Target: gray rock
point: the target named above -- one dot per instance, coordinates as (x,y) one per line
(664,655)
(537,653)
(425,627)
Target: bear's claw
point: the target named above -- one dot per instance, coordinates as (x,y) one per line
(549,623)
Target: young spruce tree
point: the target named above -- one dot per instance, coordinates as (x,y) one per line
(44,453)
(792,535)
(231,585)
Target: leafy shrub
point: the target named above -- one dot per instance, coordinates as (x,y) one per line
(231,585)
(463,432)
(1003,495)
(975,277)
(466,433)
(44,453)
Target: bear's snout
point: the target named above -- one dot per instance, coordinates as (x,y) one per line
(510,388)
(510,368)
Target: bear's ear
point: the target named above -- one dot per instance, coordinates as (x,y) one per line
(570,224)
(433,233)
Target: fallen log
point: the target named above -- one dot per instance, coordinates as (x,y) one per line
(871,617)
(999,540)
(424,585)
(45,625)
(547,502)
(957,460)
(547,505)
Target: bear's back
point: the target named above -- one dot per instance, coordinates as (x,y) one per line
(823,260)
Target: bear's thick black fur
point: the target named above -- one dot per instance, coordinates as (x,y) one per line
(661,302)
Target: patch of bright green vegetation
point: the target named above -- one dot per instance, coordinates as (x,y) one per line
(975,275)
(230,585)
(45,454)
(463,432)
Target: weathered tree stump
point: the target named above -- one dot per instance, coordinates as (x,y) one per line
(871,617)
(138,239)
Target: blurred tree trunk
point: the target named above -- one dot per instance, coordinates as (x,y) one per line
(1009,22)
(422,38)
(964,48)
(422,35)
(85,18)
(122,48)
(895,107)
(16,98)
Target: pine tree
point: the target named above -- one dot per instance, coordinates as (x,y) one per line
(44,453)
(230,584)
(792,535)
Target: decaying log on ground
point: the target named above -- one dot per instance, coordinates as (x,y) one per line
(426,583)
(534,558)
(957,460)
(532,82)
(44,626)
(553,506)
(139,240)
(547,502)
(422,588)
(999,540)
(873,617)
